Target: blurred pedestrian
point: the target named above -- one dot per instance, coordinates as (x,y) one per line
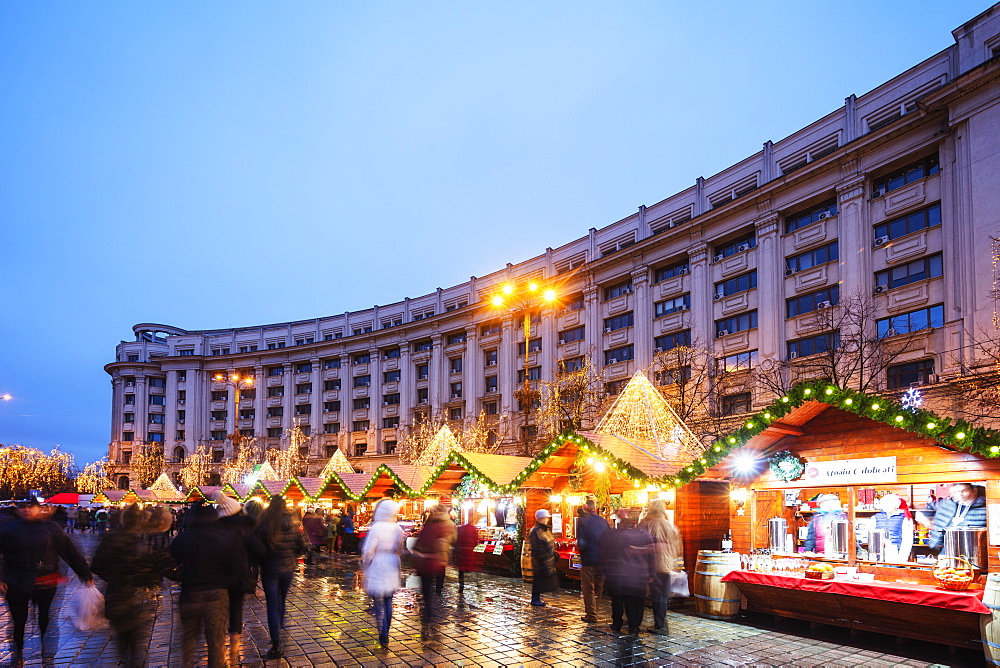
(101,517)
(544,576)
(380,562)
(332,520)
(249,551)
(133,567)
(312,524)
(283,543)
(30,549)
(628,564)
(466,558)
(208,565)
(667,543)
(433,551)
(349,542)
(83,519)
(590,527)
(71,514)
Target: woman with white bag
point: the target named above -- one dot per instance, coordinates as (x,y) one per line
(667,541)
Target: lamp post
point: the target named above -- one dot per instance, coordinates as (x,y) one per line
(238,383)
(524,298)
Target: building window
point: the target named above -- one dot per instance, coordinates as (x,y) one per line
(673,376)
(490,357)
(186,352)
(182,376)
(618,289)
(303,367)
(490,408)
(391,376)
(156,418)
(331,428)
(814,214)
(220,351)
(154,437)
(363,329)
(455,413)
(455,337)
(128,417)
(738,362)
(390,422)
(181,416)
(156,381)
(362,402)
(130,400)
(360,448)
(817,256)
(490,384)
(331,406)
(737,323)
(914,321)
(455,365)
(248,433)
(133,358)
(276,371)
(619,322)
(621,354)
(333,363)
(571,335)
(275,345)
(614,387)
(361,358)
(390,354)
(304,340)
(277,391)
(824,298)
(489,329)
(157,400)
(671,271)
(734,404)
(573,302)
(249,349)
(249,394)
(737,245)
(390,399)
(906,175)
(247,414)
(181,396)
(306,431)
(389,447)
(668,306)
(217,435)
(423,370)
(274,432)
(220,395)
(422,346)
(303,409)
(911,272)
(362,381)
(127,454)
(304,388)
(275,411)
(813,345)
(534,346)
(218,415)
(389,323)
(571,364)
(737,284)
(331,384)
(422,395)
(217,455)
(456,390)
(534,373)
(905,375)
(360,425)
(911,222)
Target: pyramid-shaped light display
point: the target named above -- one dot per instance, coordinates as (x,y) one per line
(641,416)
(264,472)
(337,464)
(164,486)
(437,450)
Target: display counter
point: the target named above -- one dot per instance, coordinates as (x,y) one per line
(917,611)
(568,563)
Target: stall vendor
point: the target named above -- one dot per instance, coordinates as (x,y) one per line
(894,517)
(966,507)
(819,525)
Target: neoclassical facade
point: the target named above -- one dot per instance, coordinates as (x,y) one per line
(893,196)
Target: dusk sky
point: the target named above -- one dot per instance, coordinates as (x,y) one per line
(226,164)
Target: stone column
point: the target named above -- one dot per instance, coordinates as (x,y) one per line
(702,290)
(506,367)
(436,380)
(854,232)
(770,288)
(472,372)
(643,317)
(592,320)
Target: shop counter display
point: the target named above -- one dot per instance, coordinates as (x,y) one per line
(906,610)
(568,563)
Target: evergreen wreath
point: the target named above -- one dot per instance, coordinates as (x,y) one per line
(786,466)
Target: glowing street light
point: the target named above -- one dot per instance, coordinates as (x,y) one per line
(238,383)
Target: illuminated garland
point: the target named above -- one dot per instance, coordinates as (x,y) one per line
(785,466)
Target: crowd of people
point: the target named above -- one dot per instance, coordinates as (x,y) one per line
(220,552)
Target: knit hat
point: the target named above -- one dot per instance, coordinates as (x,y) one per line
(226,505)
(541,514)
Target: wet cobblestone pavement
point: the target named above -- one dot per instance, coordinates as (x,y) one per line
(489,624)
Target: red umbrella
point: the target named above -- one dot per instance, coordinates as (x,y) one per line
(65,497)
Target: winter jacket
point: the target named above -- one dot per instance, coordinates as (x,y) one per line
(668,543)
(590,527)
(33,549)
(627,561)
(206,556)
(250,551)
(946,511)
(433,546)
(466,540)
(283,555)
(819,530)
(380,553)
(314,528)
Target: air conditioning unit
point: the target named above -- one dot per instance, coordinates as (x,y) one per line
(792,355)
(891,332)
(823,215)
(181,401)
(789,272)
(129,384)
(562,342)
(671,225)
(180,422)
(879,289)
(613,360)
(824,304)
(742,247)
(657,350)
(881,241)
(878,193)
(456,396)
(718,296)
(682,307)
(607,330)
(422,401)
(627,291)
(493,363)
(682,271)
(721,333)
(385,403)
(717,258)
(932,378)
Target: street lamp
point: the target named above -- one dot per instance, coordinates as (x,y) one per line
(238,383)
(524,298)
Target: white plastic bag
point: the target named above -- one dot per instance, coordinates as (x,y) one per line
(87,608)
(679,584)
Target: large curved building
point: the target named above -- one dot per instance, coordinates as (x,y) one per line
(893,196)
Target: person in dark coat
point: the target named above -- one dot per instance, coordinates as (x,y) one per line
(133,567)
(589,530)
(349,544)
(466,558)
(283,543)
(209,567)
(433,551)
(315,530)
(30,549)
(249,550)
(628,561)
(544,576)
(966,507)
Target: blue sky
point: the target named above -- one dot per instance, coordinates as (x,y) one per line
(225,164)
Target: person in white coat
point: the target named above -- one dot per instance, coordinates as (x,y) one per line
(380,562)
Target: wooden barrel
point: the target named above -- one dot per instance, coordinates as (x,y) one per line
(989,625)
(712,597)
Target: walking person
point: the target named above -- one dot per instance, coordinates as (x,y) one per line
(208,567)
(380,563)
(466,558)
(101,517)
(83,519)
(544,576)
(71,515)
(349,543)
(283,543)
(433,550)
(249,551)
(332,520)
(667,544)
(590,527)
(315,531)
(133,567)
(628,565)
(31,547)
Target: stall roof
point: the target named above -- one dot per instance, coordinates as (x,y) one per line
(110,496)
(500,469)
(239,490)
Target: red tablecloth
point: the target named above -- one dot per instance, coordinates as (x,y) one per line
(900,592)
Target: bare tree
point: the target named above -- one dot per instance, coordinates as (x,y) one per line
(573,400)
(147,464)
(485,433)
(197,467)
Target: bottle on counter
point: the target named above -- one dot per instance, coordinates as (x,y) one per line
(727,542)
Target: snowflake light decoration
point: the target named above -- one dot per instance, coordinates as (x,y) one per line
(912,400)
